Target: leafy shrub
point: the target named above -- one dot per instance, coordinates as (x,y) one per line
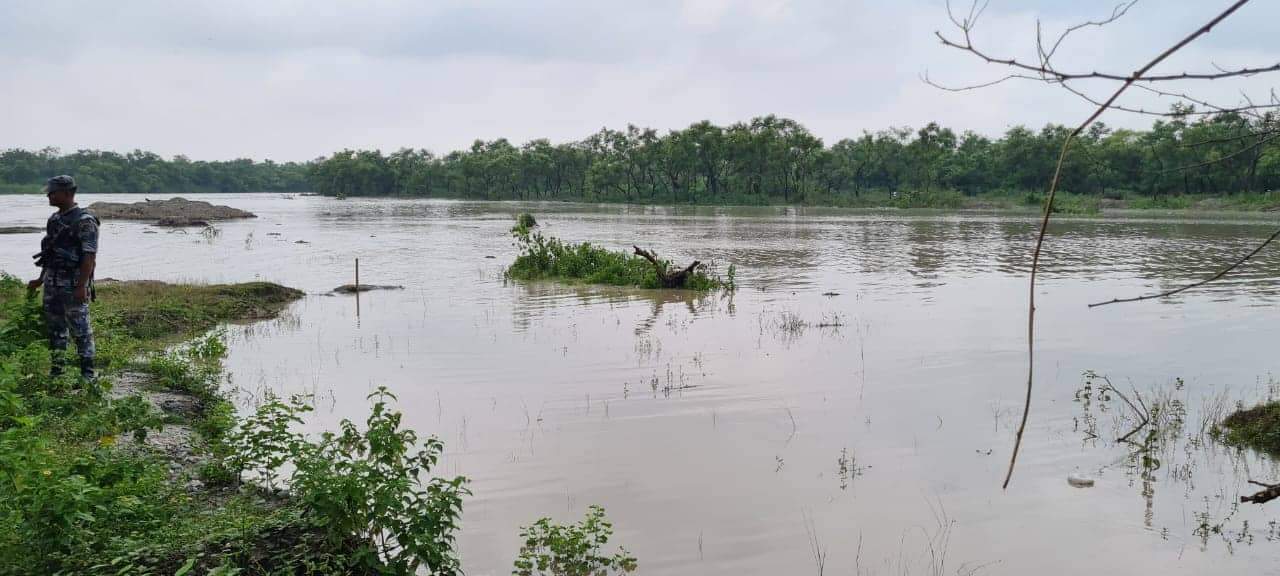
(552,549)
(265,442)
(365,491)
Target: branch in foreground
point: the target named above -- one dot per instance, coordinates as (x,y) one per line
(1220,274)
(1053,189)
(1045,71)
(1252,147)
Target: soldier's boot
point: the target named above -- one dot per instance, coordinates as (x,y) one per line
(57,362)
(86,369)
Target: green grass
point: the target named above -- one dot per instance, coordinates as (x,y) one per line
(548,258)
(1257,427)
(157,312)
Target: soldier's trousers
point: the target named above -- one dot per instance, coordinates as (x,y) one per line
(66,317)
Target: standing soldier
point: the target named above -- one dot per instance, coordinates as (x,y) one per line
(68,254)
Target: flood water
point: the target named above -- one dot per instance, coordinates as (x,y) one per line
(738,434)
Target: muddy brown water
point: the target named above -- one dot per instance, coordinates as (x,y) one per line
(722,434)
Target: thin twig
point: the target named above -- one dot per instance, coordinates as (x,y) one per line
(1252,147)
(1220,274)
(1062,76)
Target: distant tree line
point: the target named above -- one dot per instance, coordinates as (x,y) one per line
(776,160)
(768,160)
(145,172)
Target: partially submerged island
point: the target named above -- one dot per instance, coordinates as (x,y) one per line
(174,212)
(548,258)
(20,229)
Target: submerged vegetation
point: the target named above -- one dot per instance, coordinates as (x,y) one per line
(1257,427)
(548,258)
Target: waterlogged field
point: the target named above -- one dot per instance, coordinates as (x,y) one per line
(848,410)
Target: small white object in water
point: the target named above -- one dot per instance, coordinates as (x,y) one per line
(1079,480)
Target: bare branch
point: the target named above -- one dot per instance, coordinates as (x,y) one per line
(1248,108)
(1220,274)
(1270,492)
(1246,135)
(965,88)
(1116,13)
(1047,71)
(1254,146)
(1048,210)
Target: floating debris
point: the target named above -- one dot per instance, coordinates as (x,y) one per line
(1079,480)
(352,288)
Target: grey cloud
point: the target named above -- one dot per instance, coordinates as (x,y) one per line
(292,80)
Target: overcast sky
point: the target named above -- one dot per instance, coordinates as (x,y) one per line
(293,80)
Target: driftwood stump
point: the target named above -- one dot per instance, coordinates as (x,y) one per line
(667,277)
(1270,492)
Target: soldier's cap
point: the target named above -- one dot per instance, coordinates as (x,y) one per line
(59,184)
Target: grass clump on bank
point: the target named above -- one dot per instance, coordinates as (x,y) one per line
(548,258)
(1257,427)
(150,310)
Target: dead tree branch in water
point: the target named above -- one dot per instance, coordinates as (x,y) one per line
(669,278)
(1220,274)
(1270,492)
(1046,72)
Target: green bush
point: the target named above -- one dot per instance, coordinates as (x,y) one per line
(552,549)
(547,258)
(366,491)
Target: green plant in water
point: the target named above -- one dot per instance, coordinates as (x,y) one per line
(547,258)
(1257,427)
(552,549)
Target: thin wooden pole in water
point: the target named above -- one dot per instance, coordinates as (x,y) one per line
(357,287)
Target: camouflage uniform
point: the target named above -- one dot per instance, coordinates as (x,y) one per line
(69,236)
